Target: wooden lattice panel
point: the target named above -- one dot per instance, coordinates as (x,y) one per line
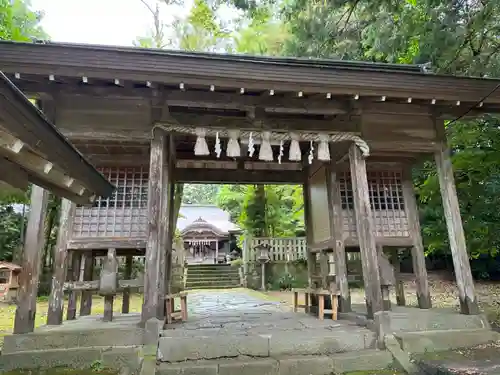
(124,214)
(386,199)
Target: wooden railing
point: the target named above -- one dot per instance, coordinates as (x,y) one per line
(281,249)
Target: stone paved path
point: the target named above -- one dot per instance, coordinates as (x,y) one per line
(244,312)
(206,303)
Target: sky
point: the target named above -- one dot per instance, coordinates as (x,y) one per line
(112,22)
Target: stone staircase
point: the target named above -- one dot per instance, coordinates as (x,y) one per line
(212,276)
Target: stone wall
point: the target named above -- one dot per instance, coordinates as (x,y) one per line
(279,275)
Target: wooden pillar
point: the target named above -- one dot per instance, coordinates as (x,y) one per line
(76,261)
(56,299)
(166,236)
(170,237)
(153,259)
(384,282)
(417,249)
(365,228)
(461,265)
(337,232)
(399,287)
(28,279)
(129,260)
(311,257)
(88,273)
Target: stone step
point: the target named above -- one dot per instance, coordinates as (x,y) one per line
(125,359)
(363,360)
(212,287)
(67,339)
(441,340)
(213,282)
(211,344)
(209,266)
(213,273)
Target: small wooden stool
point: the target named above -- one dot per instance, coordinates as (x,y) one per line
(296,305)
(170,307)
(320,293)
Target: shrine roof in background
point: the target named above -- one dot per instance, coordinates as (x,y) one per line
(205,217)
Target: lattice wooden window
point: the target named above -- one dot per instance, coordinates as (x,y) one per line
(384,187)
(124,214)
(386,200)
(131,188)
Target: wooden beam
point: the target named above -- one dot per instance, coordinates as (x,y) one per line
(240,176)
(94,285)
(56,298)
(13,175)
(365,228)
(417,249)
(456,235)
(337,233)
(24,321)
(151,271)
(93,243)
(28,124)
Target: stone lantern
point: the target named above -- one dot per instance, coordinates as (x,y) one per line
(263,258)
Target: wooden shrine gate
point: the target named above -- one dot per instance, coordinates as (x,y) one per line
(341,129)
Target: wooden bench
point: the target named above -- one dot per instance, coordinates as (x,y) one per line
(320,293)
(170,312)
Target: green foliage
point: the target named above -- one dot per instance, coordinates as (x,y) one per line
(237,263)
(272,210)
(18,22)
(10,232)
(200,193)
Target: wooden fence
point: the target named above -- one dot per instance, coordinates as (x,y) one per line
(281,249)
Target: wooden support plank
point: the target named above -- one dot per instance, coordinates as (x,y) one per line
(126,292)
(461,265)
(24,321)
(151,271)
(108,308)
(337,232)
(94,285)
(56,299)
(88,273)
(417,248)
(365,228)
(76,261)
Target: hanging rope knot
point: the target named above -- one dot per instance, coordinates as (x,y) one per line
(294,153)
(266,151)
(233,147)
(201,146)
(323,148)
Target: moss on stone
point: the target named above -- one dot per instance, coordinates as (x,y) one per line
(61,371)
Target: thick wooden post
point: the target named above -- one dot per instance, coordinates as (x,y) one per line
(126,293)
(365,228)
(88,273)
(170,238)
(76,262)
(56,299)
(28,280)
(166,211)
(152,266)
(461,265)
(417,250)
(337,232)
(311,257)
